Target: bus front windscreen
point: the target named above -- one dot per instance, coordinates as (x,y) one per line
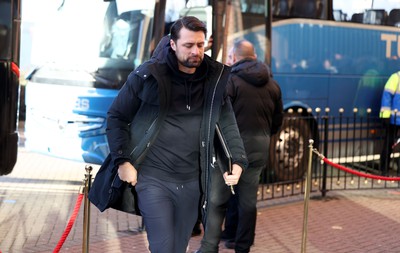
(81,53)
(90,43)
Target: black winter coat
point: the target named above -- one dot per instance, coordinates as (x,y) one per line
(142,104)
(257,102)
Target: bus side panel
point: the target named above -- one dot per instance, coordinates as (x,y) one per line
(295,94)
(298,66)
(331,64)
(360,67)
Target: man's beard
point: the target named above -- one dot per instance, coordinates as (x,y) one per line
(192,62)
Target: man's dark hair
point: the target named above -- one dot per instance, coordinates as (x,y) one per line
(189,22)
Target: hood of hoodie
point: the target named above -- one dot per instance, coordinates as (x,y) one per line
(252,71)
(192,83)
(161,51)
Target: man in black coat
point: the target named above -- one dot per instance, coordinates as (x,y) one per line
(257,102)
(161,129)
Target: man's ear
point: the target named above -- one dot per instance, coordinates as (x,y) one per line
(173,45)
(234,58)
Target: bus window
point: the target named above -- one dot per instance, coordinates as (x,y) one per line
(299,8)
(6,19)
(382,12)
(394,17)
(375,17)
(9,83)
(357,18)
(306,9)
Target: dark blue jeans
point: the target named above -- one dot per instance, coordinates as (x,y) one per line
(169,212)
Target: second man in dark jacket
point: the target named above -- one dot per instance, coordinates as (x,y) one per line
(257,102)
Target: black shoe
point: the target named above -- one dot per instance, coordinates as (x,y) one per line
(230,244)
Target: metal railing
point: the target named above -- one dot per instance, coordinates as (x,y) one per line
(355,141)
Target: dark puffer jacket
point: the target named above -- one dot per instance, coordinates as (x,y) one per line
(141,106)
(257,102)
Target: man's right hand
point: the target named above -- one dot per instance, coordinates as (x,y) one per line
(127,173)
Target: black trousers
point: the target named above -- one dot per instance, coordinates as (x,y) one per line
(216,208)
(246,194)
(387,149)
(169,212)
(231,218)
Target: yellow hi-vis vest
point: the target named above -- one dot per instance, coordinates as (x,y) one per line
(391,98)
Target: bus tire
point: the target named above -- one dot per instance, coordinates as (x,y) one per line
(289,148)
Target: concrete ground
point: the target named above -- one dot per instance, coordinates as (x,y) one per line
(38,198)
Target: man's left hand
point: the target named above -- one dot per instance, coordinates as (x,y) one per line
(233,178)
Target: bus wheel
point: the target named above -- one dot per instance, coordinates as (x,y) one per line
(289,148)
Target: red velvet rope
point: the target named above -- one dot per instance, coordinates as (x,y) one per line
(70,223)
(361,174)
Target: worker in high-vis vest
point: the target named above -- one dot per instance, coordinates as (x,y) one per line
(390,112)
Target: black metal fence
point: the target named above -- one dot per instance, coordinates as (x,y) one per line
(354,141)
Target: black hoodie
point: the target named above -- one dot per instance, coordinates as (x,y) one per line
(180,162)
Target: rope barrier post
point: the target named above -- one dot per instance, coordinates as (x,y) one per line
(86,213)
(307,196)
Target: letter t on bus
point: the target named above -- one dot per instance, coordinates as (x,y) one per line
(389,38)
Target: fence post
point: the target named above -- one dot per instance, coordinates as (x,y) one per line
(86,213)
(307,197)
(325,167)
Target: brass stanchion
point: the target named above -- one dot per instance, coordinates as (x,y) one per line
(86,213)
(307,197)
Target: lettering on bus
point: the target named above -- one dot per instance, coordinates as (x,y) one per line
(82,103)
(391,39)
